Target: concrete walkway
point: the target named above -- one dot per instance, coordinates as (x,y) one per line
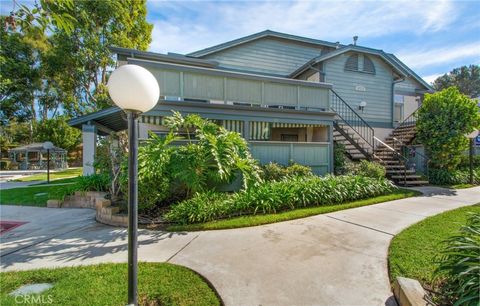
(333,259)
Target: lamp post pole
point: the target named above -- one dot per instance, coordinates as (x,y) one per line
(132,207)
(135,90)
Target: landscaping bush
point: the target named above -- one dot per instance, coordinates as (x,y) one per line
(443,120)
(94,182)
(339,159)
(366,168)
(275,172)
(465,162)
(452,177)
(276,196)
(459,262)
(211,157)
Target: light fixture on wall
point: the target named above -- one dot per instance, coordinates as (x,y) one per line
(135,90)
(362,105)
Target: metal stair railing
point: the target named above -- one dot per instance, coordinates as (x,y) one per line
(404,147)
(399,157)
(409,121)
(352,119)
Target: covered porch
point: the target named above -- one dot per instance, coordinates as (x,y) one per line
(284,120)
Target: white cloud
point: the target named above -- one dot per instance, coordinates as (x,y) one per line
(430,78)
(444,55)
(189,26)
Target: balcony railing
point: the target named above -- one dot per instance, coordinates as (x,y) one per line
(216,86)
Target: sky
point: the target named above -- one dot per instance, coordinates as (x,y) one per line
(431,37)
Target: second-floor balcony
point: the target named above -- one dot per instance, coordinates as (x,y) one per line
(217,86)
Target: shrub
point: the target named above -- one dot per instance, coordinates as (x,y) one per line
(339,159)
(167,171)
(275,196)
(275,172)
(94,182)
(452,177)
(366,168)
(459,262)
(465,162)
(443,120)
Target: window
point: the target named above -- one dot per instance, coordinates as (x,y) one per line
(352,63)
(289,137)
(368,65)
(398,98)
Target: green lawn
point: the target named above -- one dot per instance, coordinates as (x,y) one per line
(254,220)
(412,251)
(72,172)
(106,284)
(36,195)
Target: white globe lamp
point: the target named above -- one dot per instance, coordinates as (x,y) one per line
(135,90)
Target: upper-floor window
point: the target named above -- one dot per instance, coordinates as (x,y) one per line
(352,64)
(368,65)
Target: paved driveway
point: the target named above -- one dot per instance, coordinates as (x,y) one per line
(332,259)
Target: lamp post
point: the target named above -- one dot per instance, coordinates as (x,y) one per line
(471,137)
(135,90)
(47,145)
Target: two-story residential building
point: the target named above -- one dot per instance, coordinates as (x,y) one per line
(291,97)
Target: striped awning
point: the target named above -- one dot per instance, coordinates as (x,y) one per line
(294,125)
(233,125)
(260,130)
(155,120)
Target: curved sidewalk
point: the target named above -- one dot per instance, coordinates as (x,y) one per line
(338,258)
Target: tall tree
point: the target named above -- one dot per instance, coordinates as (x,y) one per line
(19,76)
(465,78)
(79,62)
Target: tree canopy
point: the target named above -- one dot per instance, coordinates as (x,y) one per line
(444,119)
(465,78)
(55,58)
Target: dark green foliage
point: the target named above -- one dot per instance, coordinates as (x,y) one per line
(453,177)
(276,196)
(275,172)
(59,132)
(94,182)
(443,120)
(459,262)
(465,162)
(366,168)
(339,159)
(167,171)
(465,78)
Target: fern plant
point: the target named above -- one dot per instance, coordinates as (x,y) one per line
(459,262)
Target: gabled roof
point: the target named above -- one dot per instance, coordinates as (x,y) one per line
(391,59)
(259,35)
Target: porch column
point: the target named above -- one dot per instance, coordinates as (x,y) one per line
(89,134)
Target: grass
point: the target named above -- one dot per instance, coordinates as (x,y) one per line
(106,284)
(36,195)
(461,186)
(412,251)
(72,172)
(253,220)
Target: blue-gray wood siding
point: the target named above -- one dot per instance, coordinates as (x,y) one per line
(314,155)
(409,85)
(267,55)
(378,87)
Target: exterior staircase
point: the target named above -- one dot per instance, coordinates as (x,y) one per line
(359,140)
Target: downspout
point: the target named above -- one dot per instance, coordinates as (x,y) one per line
(393,98)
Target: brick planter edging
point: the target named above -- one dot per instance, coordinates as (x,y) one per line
(108,214)
(105,213)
